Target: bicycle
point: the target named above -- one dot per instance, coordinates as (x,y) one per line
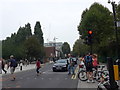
(104,83)
(100,72)
(82,75)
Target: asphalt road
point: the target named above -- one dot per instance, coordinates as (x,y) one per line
(48,79)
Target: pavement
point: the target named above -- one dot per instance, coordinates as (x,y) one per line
(24,68)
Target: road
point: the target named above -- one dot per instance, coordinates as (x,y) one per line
(48,79)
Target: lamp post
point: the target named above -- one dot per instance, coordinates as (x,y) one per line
(115,26)
(55,45)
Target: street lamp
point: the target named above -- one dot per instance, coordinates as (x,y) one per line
(55,45)
(115,26)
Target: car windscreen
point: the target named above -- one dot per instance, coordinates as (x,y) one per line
(62,61)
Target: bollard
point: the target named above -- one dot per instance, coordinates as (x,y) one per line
(116,72)
(113,84)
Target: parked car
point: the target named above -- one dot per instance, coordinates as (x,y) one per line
(60,65)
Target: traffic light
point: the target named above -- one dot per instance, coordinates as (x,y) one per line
(90,37)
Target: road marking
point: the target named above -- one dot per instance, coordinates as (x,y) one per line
(76,72)
(43,72)
(66,78)
(42,78)
(50,78)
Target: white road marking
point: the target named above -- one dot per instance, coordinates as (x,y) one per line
(50,78)
(66,78)
(42,78)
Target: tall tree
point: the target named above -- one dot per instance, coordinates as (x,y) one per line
(66,48)
(38,32)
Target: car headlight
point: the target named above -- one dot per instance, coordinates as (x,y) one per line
(54,66)
(64,66)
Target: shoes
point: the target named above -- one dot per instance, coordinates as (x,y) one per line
(5,72)
(93,81)
(69,73)
(88,81)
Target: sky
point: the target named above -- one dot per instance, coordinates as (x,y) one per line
(58,18)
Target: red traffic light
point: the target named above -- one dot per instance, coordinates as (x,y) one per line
(90,32)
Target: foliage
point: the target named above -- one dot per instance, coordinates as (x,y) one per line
(80,49)
(66,48)
(38,33)
(23,44)
(100,20)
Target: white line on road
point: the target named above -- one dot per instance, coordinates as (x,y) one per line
(50,78)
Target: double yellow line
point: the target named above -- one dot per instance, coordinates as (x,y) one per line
(76,72)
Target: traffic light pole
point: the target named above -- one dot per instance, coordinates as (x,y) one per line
(113,84)
(91,48)
(115,27)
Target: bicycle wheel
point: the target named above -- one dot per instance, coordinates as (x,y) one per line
(82,75)
(100,74)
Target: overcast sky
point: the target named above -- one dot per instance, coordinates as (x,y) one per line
(58,18)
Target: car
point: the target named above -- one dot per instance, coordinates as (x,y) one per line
(60,65)
(75,60)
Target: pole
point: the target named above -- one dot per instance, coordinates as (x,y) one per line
(91,48)
(113,84)
(115,27)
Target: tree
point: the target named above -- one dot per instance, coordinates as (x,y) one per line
(38,32)
(33,48)
(99,20)
(66,48)
(79,48)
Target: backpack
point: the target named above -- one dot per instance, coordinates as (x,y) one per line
(88,60)
(13,63)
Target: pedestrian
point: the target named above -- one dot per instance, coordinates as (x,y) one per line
(3,66)
(88,63)
(38,66)
(12,65)
(95,63)
(21,64)
(71,64)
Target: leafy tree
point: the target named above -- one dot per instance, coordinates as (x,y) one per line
(98,19)
(33,48)
(66,48)
(79,48)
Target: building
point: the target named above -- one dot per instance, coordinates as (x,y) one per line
(53,49)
